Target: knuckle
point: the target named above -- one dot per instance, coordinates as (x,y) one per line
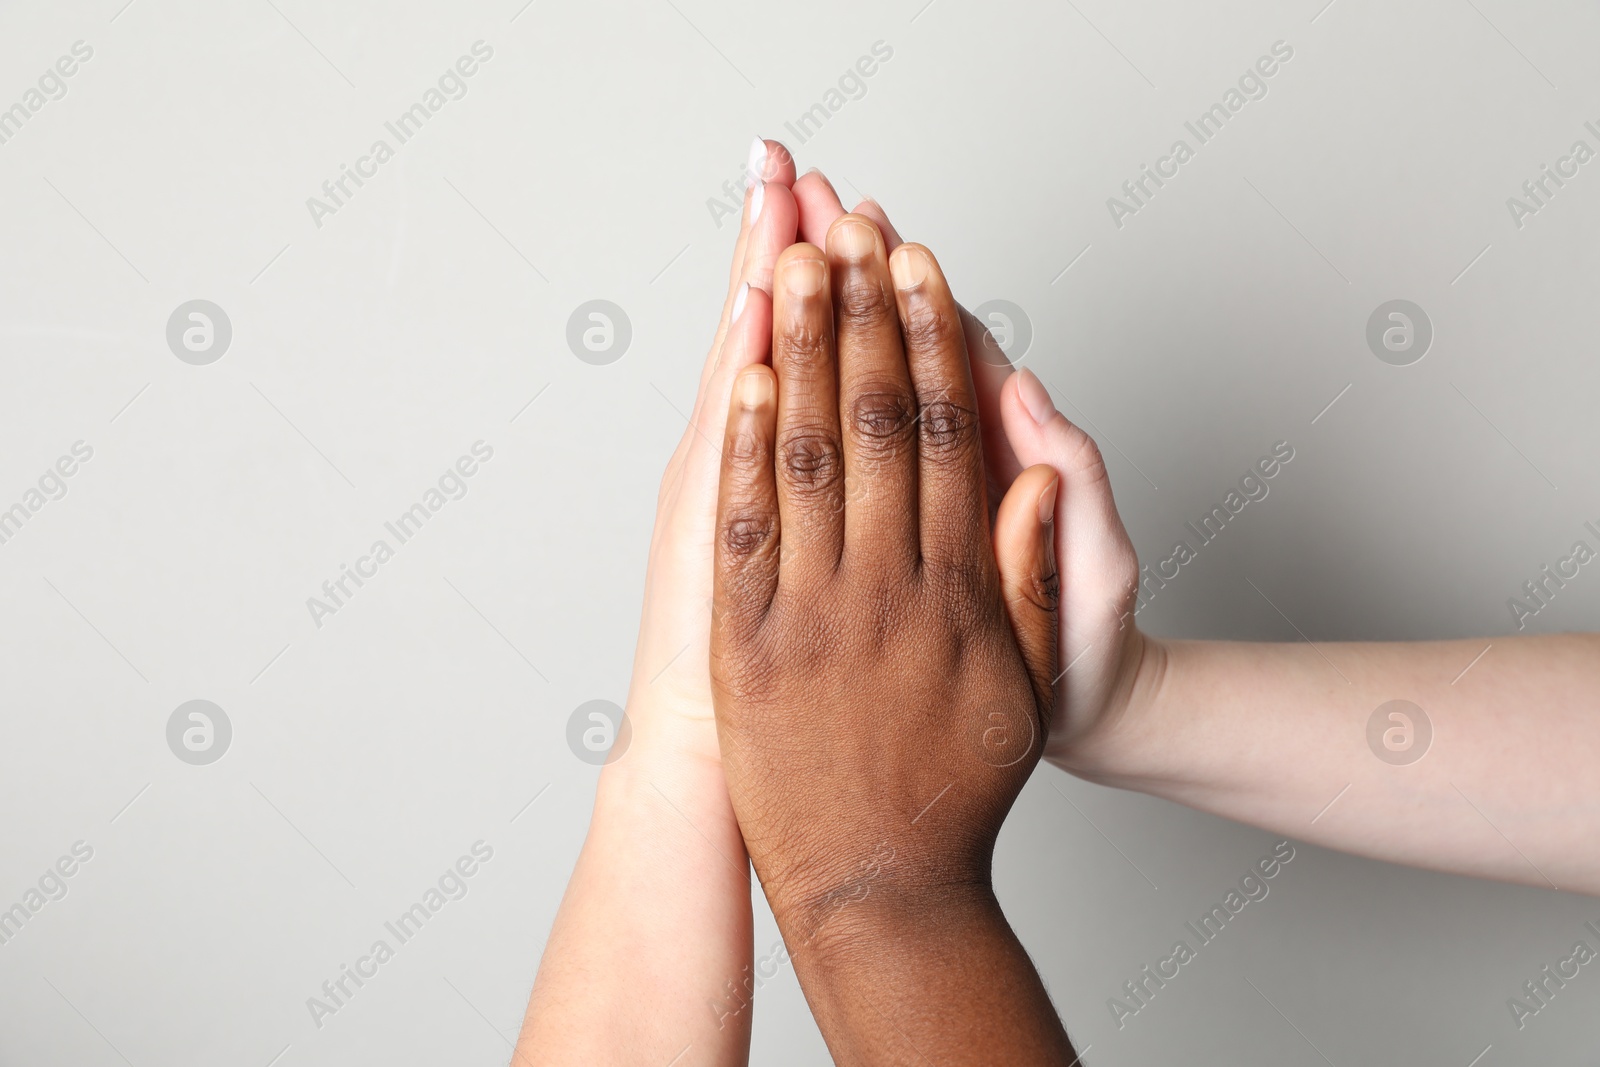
(862,302)
(948,427)
(1044,589)
(748,449)
(883,416)
(746,533)
(810,459)
(804,346)
(1084,458)
(928,327)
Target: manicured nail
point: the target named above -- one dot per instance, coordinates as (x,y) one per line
(738,301)
(1035,397)
(804,277)
(854,238)
(758,160)
(755,389)
(909,267)
(1047,501)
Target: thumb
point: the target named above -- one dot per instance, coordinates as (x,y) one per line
(1097,557)
(1024,542)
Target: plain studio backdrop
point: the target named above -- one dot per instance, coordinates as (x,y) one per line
(350,356)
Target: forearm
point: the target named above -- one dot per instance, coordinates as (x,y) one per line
(651,946)
(937,978)
(1277,735)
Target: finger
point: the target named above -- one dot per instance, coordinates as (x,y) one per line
(771,162)
(672,476)
(988,380)
(1100,551)
(741,246)
(767,162)
(770,221)
(819,206)
(774,228)
(748,529)
(877,409)
(749,341)
(990,365)
(990,369)
(1024,543)
(874,211)
(736,265)
(953,515)
(810,460)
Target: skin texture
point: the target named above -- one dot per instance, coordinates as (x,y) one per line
(882,680)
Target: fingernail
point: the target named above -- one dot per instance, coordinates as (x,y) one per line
(758,196)
(755,389)
(758,160)
(909,267)
(1035,397)
(854,238)
(738,301)
(1047,501)
(818,172)
(803,277)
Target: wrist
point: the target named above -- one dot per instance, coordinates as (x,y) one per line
(669,776)
(875,899)
(1110,751)
(861,924)
(930,968)
(664,729)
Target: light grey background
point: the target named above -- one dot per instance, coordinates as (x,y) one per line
(369,353)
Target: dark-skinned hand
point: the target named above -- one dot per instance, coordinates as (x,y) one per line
(882,664)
